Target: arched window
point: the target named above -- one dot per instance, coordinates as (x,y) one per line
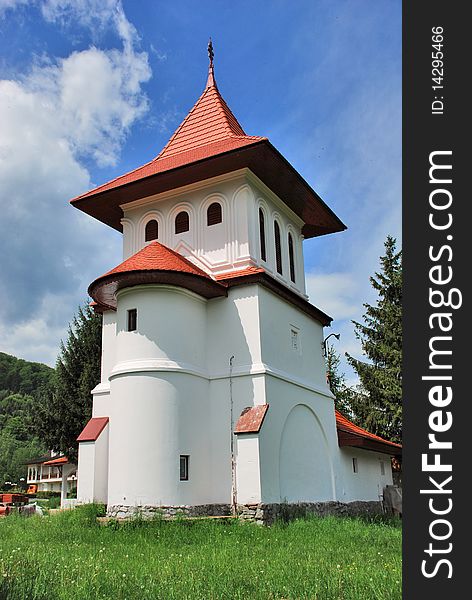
(262,235)
(214,214)
(182,222)
(278,248)
(291,257)
(152,230)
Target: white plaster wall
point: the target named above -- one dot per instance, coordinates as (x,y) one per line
(248,476)
(298,431)
(86,472)
(171,329)
(368,482)
(306,364)
(230,245)
(100,488)
(108,344)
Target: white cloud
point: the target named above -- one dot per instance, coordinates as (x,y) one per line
(61,112)
(333,293)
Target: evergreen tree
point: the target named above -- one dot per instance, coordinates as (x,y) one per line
(379,408)
(337,382)
(66,404)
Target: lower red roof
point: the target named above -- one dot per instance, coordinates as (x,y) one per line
(62,460)
(350,434)
(251,419)
(93,429)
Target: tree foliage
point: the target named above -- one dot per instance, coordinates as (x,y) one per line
(66,404)
(379,407)
(22,376)
(19,440)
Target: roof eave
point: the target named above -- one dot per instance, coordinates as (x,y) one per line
(261,157)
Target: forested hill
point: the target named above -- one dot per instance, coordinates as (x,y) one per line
(20,384)
(21,376)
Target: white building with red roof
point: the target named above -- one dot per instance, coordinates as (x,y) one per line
(213,385)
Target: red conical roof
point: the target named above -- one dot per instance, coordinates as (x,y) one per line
(209,129)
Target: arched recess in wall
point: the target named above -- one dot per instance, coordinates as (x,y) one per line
(244,232)
(305,465)
(151,231)
(291,257)
(278,247)
(214,233)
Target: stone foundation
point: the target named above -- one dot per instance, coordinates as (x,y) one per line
(267,514)
(118,511)
(262,514)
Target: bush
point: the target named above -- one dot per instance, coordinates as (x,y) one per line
(48,494)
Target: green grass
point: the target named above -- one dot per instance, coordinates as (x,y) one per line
(69,556)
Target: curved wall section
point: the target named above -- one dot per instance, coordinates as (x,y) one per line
(306,473)
(171,328)
(155,418)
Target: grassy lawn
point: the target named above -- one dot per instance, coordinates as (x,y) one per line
(69,556)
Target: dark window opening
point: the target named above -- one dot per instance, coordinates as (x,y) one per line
(132,319)
(184,467)
(152,231)
(355,467)
(262,235)
(182,222)
(278,248)
(291,257)
(214,214)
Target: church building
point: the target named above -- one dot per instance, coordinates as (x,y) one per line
(213,395)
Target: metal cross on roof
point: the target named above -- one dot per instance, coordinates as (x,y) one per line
(211,54)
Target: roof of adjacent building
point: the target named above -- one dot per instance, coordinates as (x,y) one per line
(93,429)
(350,434)
(61,460)
(209,142)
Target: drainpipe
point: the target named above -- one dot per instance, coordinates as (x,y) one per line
(233,458)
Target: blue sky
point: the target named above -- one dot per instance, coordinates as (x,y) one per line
(90,89)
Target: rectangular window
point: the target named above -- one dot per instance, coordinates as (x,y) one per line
(132,319)
(184,467)
(355,467)
(382,467)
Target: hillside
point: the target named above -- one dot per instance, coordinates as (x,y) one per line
(22,376)
(20,382)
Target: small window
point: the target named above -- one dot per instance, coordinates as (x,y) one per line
(184,467)
(355,466)
(262,235)
(382,467)
(278,248)
(152,230)
(132,319)
(214,214)
(182,222)
(291,257)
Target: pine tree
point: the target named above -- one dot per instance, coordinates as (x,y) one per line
(66,404)
(379,409)
(337,382)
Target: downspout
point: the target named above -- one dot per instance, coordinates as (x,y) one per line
(233,458)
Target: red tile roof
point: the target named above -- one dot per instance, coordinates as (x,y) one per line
(343,425)
(93,429)
(239,273)
(157,257)
(62,460)
(251,419)
(209,129)
(155,263)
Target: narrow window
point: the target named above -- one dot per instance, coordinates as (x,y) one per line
(152,230)
(294,338)
(184,467)
(182,222)
(214,214)
(278,248)
(132,319)
(382,467)
(262,235)
(355,467)
(291,257)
